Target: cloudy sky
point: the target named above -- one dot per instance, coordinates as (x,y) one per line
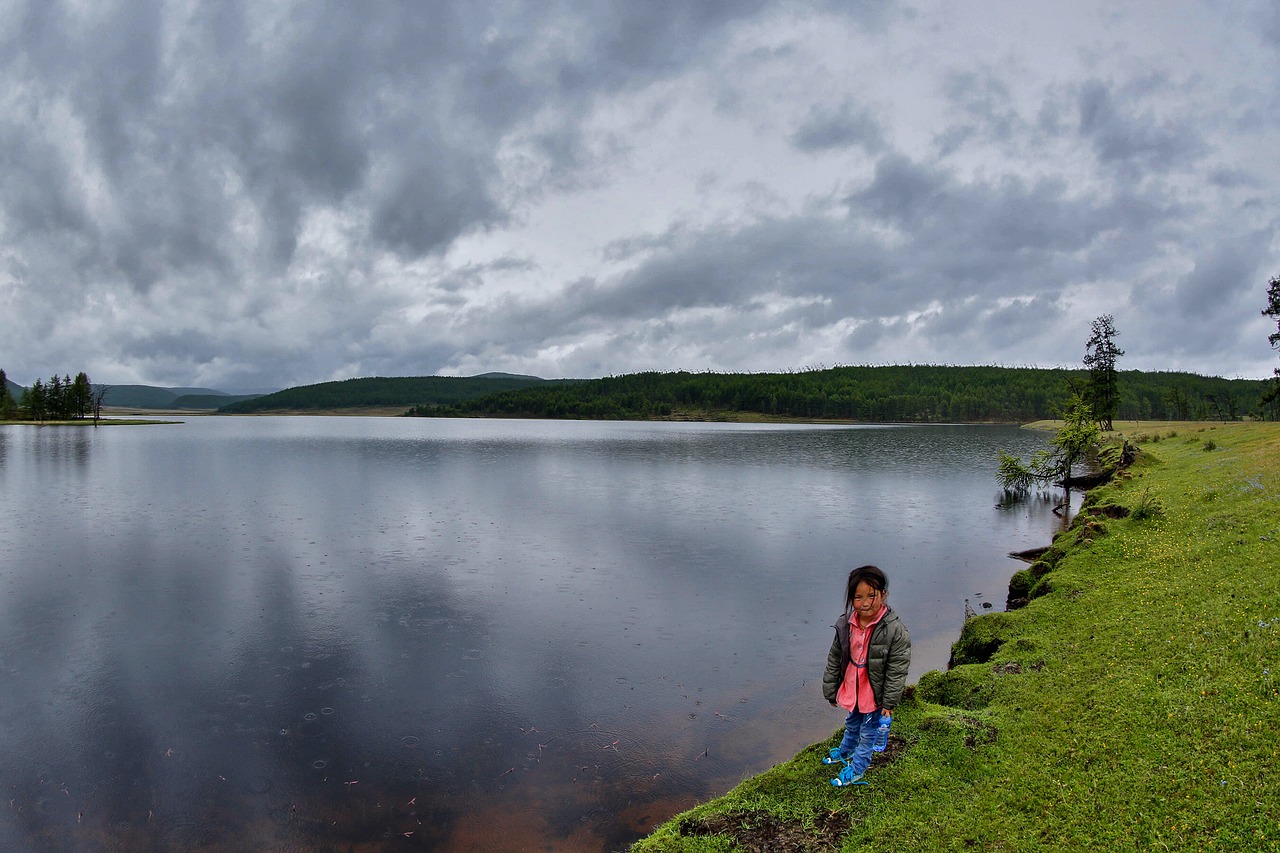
(241,194)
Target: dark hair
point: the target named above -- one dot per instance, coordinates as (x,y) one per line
(873,576)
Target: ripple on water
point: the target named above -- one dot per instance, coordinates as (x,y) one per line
(434,773)
(182,832)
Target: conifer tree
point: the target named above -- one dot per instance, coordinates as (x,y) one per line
(1273,311)
(7,404)
(35,401)
(1100,358)
(80,399)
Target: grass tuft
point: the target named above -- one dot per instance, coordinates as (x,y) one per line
(1147,508)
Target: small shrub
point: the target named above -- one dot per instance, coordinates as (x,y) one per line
(1147,507)
(1210,445)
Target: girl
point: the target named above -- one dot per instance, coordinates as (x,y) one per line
(866,669)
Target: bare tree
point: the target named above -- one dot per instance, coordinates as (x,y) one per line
(95,398)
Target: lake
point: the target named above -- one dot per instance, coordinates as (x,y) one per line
(451,635)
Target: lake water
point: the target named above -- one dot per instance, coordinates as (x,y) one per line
(451,635)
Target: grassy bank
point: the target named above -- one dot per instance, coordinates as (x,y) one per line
(1134,703)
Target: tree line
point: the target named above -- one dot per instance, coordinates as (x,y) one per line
(893,394)
(61,398)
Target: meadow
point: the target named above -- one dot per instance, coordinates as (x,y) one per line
(1132,703)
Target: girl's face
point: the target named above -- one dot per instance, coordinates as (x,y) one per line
(866,601)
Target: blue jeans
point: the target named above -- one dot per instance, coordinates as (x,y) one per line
(859,734)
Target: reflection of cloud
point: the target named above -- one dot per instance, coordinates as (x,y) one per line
(450,611)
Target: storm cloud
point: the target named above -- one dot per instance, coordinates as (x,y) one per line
(261,194)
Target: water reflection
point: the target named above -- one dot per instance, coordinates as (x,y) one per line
(44,447)
(303,633)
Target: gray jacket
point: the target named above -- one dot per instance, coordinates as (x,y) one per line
(888,659)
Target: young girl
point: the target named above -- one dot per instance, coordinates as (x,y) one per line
(866,669)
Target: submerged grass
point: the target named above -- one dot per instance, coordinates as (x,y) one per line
(1134,704)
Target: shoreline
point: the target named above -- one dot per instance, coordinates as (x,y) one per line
(112,420)
(1151,762)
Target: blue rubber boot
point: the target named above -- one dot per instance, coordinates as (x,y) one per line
(848,777)
(835,756)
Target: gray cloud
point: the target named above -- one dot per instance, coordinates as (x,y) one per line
(994,257)
(1122,137)
(985,103)
(265,194)
(841,127)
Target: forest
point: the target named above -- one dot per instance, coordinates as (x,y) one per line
(61,398)
(884,394)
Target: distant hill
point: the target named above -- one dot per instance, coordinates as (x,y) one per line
(212,401)
(381,391)
(155,397)
(888,394)
(14,388)
(510,376)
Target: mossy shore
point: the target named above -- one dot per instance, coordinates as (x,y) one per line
(1133,703)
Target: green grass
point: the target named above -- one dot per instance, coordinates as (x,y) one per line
(1133,704)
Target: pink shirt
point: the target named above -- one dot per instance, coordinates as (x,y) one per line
(855,691)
